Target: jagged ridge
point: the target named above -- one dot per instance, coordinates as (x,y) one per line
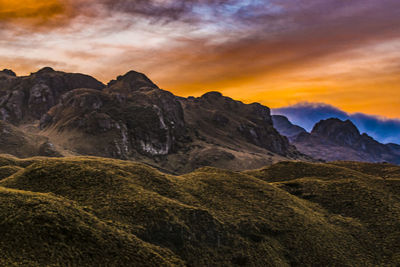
(132,118)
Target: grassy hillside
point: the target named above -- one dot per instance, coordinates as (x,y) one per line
(42,229)
(87,210)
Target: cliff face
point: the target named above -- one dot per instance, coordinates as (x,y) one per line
(223,118)
(132,118)
(125,119)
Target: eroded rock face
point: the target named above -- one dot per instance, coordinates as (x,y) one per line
(133,119)
(24,99)
(341,132)
(222,117)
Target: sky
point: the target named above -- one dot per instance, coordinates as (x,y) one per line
(344,53)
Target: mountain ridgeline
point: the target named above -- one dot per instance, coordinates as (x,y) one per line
(52,113)
(132,118)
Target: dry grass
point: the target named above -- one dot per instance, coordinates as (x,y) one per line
(291,213)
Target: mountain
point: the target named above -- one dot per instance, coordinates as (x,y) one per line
(82,211)
(335,139)
(132,118)
(285,127)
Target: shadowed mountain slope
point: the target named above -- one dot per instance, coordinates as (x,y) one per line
(285,127)
(22,143)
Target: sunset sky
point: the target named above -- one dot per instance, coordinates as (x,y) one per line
(278,52)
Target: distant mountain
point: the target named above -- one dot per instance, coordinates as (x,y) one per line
(132,118)
(285,127)
(395,148)
(306,115)
(335,139)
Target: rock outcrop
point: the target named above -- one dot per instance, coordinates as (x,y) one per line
(122,121)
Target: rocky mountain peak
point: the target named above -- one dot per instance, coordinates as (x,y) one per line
(45,70)
(213,95)
(8,72)
(132,80)
(342,132)
(286,128)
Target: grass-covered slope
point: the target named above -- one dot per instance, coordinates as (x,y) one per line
(42,229)
(287,214)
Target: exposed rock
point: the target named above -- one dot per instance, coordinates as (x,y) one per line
(8,72)
(131,81)
(394,148)
(149,123)
(235,121)
(47,149)
(45,70)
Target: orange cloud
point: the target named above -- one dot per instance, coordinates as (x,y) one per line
(30,9)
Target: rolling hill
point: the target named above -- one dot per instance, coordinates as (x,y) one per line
(287,214)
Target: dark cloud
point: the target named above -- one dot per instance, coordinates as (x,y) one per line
(47,12)
(307,115)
